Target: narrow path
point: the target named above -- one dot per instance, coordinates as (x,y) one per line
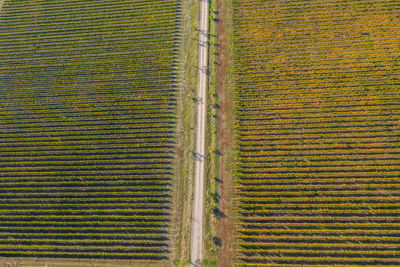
(198,201)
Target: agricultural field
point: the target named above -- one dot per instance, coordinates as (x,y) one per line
(87,128)
(317,125)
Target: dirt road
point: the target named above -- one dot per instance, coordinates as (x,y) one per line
(198,201)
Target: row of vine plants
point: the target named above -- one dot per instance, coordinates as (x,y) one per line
(317,112)
(87,128)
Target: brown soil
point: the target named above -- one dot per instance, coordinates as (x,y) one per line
(226,229)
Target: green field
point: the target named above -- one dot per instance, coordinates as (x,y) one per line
(87,127)
(317,105)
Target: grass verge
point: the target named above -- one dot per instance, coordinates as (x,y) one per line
(188,52)
(211,196)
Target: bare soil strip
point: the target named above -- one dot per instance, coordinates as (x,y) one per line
(225,139)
